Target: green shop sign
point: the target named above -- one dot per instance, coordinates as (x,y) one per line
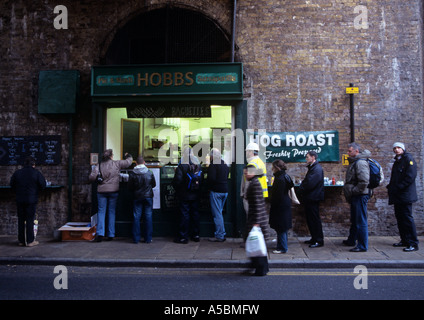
(293,146)
(168,79)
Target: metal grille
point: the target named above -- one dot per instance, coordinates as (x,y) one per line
(169,35)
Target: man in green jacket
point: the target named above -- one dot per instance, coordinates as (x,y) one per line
(357,194)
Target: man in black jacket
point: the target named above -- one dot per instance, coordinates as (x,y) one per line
(187,181)
(311,192)
(218,184)
(402,193)
(27,182)
(141,182)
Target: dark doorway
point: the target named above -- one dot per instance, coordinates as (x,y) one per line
(169,35)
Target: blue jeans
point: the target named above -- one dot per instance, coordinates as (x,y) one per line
(282,241)
(359,223)
(217,206)
(106,203)
(143,207)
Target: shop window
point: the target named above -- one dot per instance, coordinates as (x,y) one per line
(151,137)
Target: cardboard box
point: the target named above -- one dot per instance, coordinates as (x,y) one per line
(79,231)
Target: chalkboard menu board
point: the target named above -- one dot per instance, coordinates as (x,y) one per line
(130,138)
(46,150)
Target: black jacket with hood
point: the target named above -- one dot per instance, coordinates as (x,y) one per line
(402,188)
(141,182)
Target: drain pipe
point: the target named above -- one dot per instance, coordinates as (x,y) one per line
(233,35)
(70,155)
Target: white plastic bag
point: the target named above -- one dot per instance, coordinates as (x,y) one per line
(255,243)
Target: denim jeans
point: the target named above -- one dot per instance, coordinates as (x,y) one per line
(217,205)
(282,241)
(359,223)
(106,203)
(143,208)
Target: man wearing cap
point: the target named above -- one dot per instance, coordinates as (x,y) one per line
(402,193)
(252,151)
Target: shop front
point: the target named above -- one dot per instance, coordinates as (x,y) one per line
(158,110)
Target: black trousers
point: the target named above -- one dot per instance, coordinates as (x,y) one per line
(261,265)
(406,224)
(189,210)
(26,214)
(313,221)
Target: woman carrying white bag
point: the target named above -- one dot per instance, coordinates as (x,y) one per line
(256,217)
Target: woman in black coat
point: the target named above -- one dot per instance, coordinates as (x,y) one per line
(280,217)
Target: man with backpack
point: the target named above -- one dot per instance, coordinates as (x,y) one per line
(402,193)
(357,193)
(187,181)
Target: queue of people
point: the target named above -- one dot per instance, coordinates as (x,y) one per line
(28,182)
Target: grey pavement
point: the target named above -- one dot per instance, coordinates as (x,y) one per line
(162,252)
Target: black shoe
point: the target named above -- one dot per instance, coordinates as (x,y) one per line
(109,239)
(195,238)
(316,245)
(99,238)
(410,249)
(400,244)
(348,243)
(356,249)
(182,241)
(309,241)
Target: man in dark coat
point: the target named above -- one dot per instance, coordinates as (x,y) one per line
(27,182)
(402,193)
(311,192)
(218,184)
(188,196)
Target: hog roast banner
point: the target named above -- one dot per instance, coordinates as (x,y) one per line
(293,146)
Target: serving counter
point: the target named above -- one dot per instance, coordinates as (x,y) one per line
(165,205)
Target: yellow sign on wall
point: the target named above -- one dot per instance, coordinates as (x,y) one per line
(352,90)
(345,162)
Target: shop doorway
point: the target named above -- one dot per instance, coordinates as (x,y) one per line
(160,37)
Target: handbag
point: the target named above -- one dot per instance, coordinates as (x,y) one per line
(99,178)
(255,244)
(293,197)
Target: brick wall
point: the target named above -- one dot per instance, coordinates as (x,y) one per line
(298,57)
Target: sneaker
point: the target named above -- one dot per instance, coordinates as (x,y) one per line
(410,249)
(32,244)
(278,251)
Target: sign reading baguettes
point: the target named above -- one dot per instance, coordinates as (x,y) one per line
(170,79)
(293,146)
